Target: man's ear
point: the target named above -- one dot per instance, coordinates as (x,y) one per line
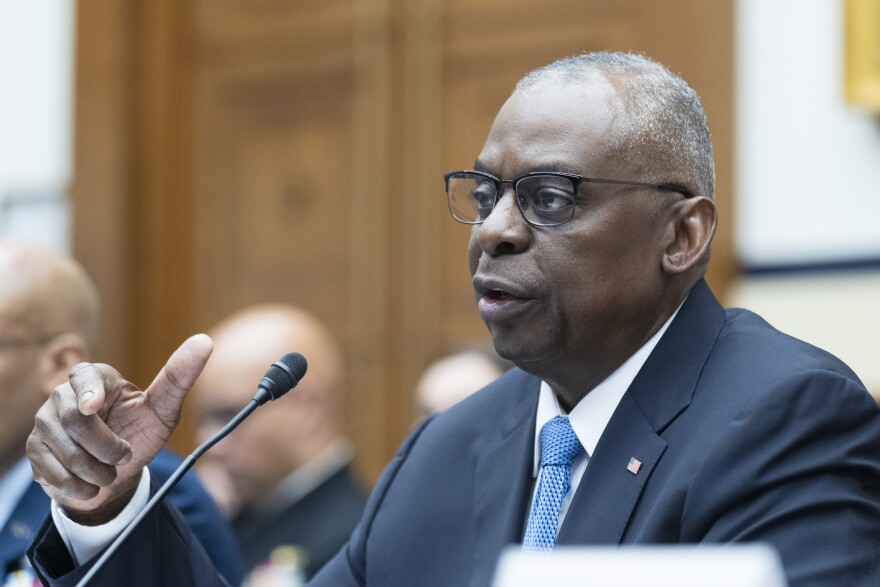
(60,355)
(691,234)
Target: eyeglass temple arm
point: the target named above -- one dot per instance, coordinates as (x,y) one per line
(672,187)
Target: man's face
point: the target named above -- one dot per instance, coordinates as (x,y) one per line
(571,301)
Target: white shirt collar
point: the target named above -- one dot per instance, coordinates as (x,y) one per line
(592,414)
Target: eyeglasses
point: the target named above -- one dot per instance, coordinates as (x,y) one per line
(545,198)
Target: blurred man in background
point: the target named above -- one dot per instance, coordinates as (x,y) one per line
(285,476)
(453,377)
(49,312)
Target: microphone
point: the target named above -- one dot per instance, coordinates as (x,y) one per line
(282,376)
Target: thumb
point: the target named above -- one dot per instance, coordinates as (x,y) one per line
(167,392)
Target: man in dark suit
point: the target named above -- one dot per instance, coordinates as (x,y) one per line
(640,412)
(285,476)
(48,322)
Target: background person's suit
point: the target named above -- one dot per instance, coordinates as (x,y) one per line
(743,433)
(319,523)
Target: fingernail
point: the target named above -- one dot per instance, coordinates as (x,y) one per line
(86,397)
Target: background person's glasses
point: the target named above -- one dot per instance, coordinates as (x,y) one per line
(545,198)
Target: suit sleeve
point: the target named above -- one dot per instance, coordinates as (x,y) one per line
(800,469)
(161,551)
(349,567)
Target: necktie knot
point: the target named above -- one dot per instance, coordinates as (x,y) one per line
(559,444)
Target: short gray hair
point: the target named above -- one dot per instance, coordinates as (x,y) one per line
(664,131)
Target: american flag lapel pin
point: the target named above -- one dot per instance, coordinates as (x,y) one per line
(634,466)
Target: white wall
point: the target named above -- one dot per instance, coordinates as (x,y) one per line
(36,105)
(807,181)
(808,165)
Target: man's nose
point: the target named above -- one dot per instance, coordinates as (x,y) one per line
(504,230)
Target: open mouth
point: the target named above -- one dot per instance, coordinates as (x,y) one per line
(501,299)
(498,295)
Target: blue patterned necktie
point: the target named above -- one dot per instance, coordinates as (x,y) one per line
(559,448)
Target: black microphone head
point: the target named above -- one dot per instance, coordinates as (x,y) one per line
(283,375)
(288,370)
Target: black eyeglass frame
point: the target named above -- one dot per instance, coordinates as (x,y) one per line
(576,181)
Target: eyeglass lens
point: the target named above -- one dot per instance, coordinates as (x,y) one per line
(545,200)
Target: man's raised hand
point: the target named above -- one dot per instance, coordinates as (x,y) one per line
(94,435)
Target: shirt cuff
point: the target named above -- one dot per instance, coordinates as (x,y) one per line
(84,542)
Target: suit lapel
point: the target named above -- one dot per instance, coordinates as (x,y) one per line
(666,383)
(503,480)
(608,492)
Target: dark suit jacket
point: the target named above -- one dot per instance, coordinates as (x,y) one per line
(744,434)
(319,523)
(189,497)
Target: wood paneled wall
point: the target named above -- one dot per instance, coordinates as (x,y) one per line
(236,151)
